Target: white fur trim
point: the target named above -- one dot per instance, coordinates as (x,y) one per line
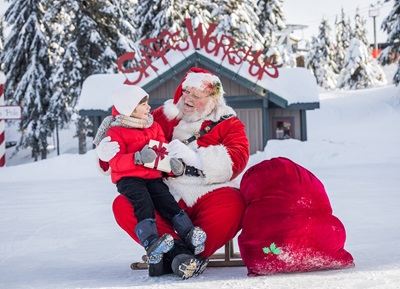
(199,79)
(126,98)
(170,109)
(190,189)
(216,172)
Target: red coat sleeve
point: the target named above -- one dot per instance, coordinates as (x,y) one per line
(231,135)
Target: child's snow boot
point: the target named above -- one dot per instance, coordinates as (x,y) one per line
(194,237)
(155,247)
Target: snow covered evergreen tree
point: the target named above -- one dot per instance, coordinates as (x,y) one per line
(198,11)
(126,33)
(321,59)
(360,69)
(272,20)
(239,20)
(360,30)
(154,16)
(26,65)
(312,58)
(74,25)
(287,56)
(87,38)
(145,12)
(1,35)
(391,54)
(343,36)
(59,17)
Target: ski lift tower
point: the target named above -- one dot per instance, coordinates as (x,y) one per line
(285,34)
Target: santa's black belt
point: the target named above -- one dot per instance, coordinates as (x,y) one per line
(192,171)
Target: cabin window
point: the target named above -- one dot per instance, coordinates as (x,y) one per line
(283,128)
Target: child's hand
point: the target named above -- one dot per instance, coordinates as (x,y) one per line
(146,155)
(177,166)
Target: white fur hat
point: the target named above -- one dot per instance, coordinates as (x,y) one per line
(126,98)
(205,82)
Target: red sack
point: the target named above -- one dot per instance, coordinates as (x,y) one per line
(288,224)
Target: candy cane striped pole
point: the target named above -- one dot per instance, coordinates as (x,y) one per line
(2,124)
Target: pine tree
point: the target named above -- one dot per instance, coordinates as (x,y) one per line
(322,61)
(360,69)
(360,30)
(125,29)
(343,36)
(87,38)
(143,20)
(391,54)
(154,16)
(272,20)
(66,60)
(239,20)
(1,34)
(73,25)
(27,67)
(198,11)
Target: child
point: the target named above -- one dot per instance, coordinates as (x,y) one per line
(132,128)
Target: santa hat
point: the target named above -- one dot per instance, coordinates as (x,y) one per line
(126,98)
(200,79)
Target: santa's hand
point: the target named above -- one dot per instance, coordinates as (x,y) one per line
(179,150)
(176,166)
(146,155)
(107,149)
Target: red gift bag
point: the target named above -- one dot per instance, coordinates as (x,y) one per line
(288,224)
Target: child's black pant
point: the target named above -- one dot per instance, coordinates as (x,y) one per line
(148,195)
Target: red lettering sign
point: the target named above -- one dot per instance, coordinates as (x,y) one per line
(158,47)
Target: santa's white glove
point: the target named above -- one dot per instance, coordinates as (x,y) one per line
(107,149)
(179,150)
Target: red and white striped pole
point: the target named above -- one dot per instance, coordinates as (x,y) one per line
(2,124)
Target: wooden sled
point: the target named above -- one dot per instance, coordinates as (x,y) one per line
(227,259)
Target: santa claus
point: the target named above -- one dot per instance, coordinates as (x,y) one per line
(211,141)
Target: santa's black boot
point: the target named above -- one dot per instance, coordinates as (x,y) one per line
(181,261)
(157,269)
(155,246)
(194,237)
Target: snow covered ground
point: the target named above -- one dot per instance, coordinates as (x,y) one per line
(57,229)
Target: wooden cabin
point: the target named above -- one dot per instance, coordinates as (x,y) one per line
(270,108)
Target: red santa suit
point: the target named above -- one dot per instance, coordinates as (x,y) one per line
(212,201)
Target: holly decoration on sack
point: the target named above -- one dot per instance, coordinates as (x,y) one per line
(272,250)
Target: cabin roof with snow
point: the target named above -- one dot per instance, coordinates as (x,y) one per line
(293,88)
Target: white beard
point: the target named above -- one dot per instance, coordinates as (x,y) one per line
(195,116)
